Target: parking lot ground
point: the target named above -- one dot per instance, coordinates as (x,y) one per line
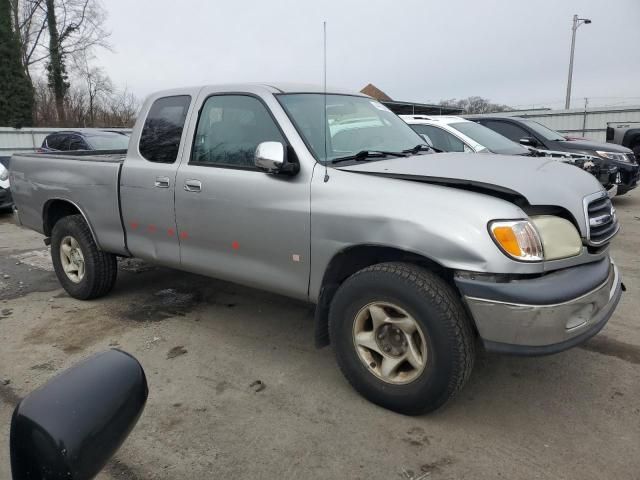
(203,343)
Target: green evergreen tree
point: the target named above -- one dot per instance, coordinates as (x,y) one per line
(16,91)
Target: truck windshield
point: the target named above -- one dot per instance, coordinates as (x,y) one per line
(489,139)
(353,124)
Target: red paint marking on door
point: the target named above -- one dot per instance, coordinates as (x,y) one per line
(184,235)
(152,229)
(235,245)
(171,232)
(134,225)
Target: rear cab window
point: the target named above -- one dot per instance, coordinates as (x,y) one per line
(162,130)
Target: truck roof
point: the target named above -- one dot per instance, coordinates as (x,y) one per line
(273,88)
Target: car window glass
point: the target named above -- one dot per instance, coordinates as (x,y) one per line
(229,130)
(509,130)
(543,131)
(76,143)
(56,142)
(440,139)
(162,130)
(105,141)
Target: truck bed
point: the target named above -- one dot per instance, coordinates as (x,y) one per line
(89,181)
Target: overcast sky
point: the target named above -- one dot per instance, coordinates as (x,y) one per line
(511,51)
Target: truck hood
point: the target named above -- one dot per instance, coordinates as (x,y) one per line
(540,181)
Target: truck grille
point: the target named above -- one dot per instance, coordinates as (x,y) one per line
(601,219)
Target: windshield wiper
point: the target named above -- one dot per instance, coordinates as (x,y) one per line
(363,155)
(420,147)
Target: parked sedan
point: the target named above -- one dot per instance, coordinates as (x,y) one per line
(533,134)
(88,139)
(456,134)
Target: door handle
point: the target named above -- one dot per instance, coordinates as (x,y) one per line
(193,185)
(162,182)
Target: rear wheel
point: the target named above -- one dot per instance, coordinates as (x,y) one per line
(83,270)
(402,337)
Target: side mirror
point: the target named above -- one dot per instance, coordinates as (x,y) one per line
(71,426)
(271,157)
(529,142)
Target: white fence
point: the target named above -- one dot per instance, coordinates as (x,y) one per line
(578,122)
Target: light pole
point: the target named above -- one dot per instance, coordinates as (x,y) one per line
(576,23)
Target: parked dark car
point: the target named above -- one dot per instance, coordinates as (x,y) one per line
(85,140)
(533,134)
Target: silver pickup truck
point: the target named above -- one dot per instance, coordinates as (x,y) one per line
(411,258)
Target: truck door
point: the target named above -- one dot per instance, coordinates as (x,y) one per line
(236,222)
(147,182)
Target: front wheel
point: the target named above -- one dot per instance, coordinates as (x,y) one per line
(402,337)
(83,270)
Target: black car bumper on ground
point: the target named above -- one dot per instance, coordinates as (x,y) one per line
(6,200)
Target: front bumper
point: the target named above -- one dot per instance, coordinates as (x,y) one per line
(6,200)
(629,176)
(513,317)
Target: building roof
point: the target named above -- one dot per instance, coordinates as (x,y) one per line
(376,93)
(413,108)
(408,108)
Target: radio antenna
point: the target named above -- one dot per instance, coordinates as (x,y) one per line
(324,97)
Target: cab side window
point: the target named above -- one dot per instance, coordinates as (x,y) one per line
(229,130)
(162,130)
(440,139)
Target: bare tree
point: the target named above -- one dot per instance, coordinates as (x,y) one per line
(29,23)
(475,105)
(97,84)
(115,108)
(52,32)
(122,109)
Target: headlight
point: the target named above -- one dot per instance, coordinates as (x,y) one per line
(560,239)
(620,157)
(4,173)
(518,239)
(543,237)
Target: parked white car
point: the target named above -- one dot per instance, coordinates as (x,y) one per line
(5,192)
(456,134)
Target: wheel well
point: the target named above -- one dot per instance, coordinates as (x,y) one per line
(54,210)
(349,261)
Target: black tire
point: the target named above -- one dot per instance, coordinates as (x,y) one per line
(101,268)
(441,316)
